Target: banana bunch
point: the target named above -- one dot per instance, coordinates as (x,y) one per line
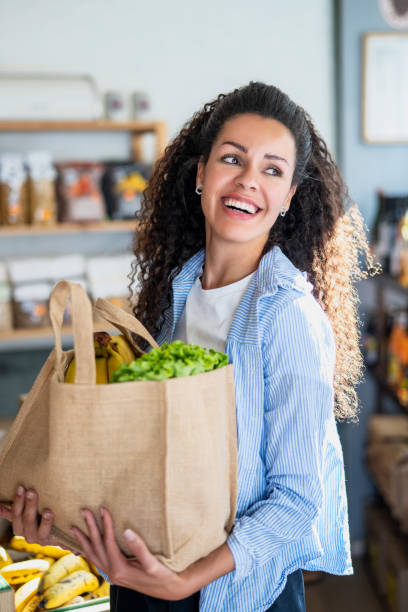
(50,578)
(110,353)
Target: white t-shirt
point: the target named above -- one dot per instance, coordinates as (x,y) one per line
(208,314)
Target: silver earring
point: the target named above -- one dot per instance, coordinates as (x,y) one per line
(199,189)
(282,211)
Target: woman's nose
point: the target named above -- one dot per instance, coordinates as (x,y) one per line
(247,179)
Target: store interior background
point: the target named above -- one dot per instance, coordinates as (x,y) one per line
(182,54)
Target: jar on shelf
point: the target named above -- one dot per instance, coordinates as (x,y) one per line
(13,190)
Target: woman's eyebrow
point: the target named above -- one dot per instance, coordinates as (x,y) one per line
(245,150)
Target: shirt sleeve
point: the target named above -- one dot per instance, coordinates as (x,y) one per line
(299,356)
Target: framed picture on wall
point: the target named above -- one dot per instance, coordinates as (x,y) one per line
(385,87)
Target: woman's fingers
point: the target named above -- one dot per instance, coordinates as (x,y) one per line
(5,513)
(17,510)
(30,516)
(95,536)
(135,543)
(44,530)
(109,536)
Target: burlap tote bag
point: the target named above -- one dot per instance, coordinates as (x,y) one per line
(161,456)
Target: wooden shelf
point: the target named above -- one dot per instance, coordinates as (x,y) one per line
(69,228)
(41,338)
(135,128)
(100,125)
(46,332)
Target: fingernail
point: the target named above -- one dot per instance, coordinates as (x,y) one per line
(101,511)
(83,514)
(30,494)
(129,535)
(47,515)
(20,490)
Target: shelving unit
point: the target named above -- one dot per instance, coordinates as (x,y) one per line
(136,129)
(41,337)
(69,228)
(32,338)
(385,283)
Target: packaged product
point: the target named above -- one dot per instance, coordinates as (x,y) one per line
(107,277)
(42,202)
(6,311)
(123,184)
(79,192)
(13,190)
(30,302)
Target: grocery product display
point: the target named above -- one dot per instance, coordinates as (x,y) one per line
(48,577)
(26,284)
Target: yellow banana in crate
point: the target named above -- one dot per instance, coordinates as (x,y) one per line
(25,593)
(74,584)
(20,543)
(110,353)
(23,571)
(32,605)
(103,590)
(5,558)
(61,568)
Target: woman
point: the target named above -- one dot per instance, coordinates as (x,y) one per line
(245,246)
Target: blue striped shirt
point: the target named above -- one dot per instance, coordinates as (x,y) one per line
(292,506)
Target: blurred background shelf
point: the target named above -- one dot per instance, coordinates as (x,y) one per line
(25,339)
(69,228)
(136,129)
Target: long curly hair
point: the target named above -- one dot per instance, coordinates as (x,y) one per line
(323,232)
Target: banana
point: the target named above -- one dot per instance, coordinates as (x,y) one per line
(50,559)
(110,353)
(60,569)
(24,593)
(121,344)
(32,604)
(74,584)
(101,371)
(19,543)
(103,590)
(5,558)
(17,573)
(70,373)
(115,359)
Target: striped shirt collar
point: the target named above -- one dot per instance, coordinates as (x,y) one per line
(275,270)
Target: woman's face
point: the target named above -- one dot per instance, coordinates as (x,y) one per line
(247,179)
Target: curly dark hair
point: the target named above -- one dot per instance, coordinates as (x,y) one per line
(323,232)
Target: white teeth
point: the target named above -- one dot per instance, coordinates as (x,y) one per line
(241,205)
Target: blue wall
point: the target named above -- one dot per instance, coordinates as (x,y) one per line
(366,167)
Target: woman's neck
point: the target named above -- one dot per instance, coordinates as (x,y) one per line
(227,263)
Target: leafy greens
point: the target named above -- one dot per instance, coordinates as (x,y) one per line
(170,361)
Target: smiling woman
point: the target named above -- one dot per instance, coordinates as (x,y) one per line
(249,245)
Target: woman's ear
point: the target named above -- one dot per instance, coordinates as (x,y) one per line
(291,193)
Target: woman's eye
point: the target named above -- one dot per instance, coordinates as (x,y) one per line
(230,159)
(274,171)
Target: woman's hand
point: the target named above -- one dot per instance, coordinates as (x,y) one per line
(145,574)
(23,515)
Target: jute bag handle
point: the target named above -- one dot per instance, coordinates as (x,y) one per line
(82,323)
(124,321)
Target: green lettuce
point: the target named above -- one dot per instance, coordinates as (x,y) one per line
(171,361)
